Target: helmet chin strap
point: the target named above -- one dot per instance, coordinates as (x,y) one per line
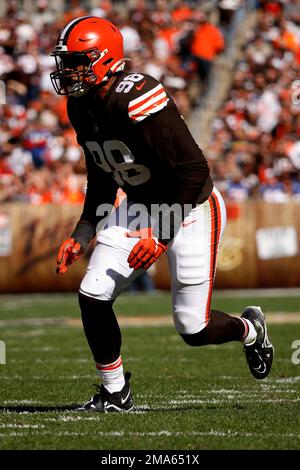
(117,67)
(110,77)
(105,83)
(103,87)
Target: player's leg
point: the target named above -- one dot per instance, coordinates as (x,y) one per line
(192,258)
(108,274)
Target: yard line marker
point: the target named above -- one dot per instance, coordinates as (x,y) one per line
(213,433)
(28,426)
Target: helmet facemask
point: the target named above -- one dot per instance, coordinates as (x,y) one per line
(75,74)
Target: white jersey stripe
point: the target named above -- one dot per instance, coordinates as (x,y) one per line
(153,110)
(145,95)
(148,103)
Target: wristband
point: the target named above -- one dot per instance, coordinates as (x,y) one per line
(84,232)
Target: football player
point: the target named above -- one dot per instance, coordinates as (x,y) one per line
(134,138)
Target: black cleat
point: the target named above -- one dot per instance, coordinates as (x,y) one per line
(259,355)
(106,402)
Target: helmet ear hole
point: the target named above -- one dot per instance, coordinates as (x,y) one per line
(94,55)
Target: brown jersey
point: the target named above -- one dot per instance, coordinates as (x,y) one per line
(135,138)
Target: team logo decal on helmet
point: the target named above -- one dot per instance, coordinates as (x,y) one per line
(88,52)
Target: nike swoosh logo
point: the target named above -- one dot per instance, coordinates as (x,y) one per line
(258,369)
(83,40)
(123,400)
(139,87)
(186,224)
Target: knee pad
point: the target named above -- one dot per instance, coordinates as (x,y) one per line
(98,285)
(188,321)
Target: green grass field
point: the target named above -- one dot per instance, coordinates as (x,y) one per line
(185,398)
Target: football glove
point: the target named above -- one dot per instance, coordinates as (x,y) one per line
(146,251)
(68,252)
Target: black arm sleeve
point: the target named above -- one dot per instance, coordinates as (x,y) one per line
(167,134)
(101,188)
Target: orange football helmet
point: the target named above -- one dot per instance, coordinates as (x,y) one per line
(88,52)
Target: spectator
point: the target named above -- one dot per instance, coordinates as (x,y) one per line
(206,44)
(132,40)
(256,132)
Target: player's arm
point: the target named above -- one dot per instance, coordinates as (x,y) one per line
(167,134)
(100,189)
(170,139)
(157,118)
(74,246)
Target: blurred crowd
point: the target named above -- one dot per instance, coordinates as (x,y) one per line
(40,161)
(255,145)
(255,149)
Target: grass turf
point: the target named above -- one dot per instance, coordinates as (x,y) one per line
(185,398)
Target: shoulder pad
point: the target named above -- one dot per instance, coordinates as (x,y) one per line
(148,103)
(145,95)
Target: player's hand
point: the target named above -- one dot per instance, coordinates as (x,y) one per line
(68,252)
(146,251)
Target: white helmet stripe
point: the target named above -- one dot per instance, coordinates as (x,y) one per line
(67,29)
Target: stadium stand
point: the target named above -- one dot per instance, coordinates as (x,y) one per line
(254,147)
(254,150)
(40,161)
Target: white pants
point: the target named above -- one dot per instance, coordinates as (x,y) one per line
(192,262)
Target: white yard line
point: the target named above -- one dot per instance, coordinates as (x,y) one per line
(167,404)
(164,433)
(214,401)
(22,426)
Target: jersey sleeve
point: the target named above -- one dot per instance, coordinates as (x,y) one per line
(170,139)
(148,104)
(101,189)
(147,96)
